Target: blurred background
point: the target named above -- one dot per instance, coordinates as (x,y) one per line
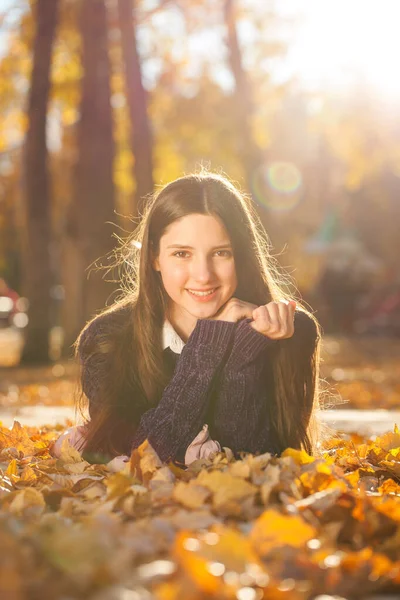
(296,101)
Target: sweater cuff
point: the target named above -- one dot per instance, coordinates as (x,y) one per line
(217,334)
(248,344)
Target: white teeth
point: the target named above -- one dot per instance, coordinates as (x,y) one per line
(202,293)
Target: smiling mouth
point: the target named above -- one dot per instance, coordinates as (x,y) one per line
(201,293)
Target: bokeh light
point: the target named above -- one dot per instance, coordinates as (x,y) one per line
(278,185)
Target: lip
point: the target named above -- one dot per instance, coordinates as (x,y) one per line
(203,298)
(206,290)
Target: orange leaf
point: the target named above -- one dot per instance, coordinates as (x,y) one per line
(389,487)
(273,529)
(16,438)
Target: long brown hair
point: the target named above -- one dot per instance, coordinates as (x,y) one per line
(132,345)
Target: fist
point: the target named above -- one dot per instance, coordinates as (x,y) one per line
(275,319)
(234,310)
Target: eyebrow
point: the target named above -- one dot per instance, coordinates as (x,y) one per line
(191,247)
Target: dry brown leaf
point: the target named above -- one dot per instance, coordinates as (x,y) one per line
(228,491)
(191,494)
(319,501)
(69,454)
(389,441)
(272,477)
(28,475)
(28,499)
(117,485)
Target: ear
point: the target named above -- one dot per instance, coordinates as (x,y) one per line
(155,263)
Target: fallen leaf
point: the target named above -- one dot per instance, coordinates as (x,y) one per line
(273,529)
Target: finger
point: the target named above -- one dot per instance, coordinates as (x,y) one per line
(292,310)
(246,310)
(284,314)
(287,313)
(274,317)
(261,317)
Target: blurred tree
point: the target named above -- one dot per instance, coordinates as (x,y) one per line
(9,226)
(137,104)
(243,114)
(89,239)
(36,254)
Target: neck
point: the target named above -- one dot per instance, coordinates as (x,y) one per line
(183,324)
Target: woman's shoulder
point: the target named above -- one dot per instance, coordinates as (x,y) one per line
(105,328)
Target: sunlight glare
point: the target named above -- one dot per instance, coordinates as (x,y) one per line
(340,42)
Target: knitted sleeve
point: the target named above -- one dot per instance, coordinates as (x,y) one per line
(240,416)
(178,417)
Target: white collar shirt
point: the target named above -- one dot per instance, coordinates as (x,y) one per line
(170,338)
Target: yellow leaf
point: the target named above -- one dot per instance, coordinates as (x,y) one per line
(149,461)
(117,484)
(388,441)
(299,456)
(226,487)
(12,468)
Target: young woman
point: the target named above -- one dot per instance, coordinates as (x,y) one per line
(204,350)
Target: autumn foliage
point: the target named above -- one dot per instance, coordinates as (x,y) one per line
(260,527)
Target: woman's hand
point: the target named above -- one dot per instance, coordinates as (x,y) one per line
(234,310)
(275,319)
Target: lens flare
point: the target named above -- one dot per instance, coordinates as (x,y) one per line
(278,186)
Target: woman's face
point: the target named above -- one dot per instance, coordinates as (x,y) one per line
(196,255)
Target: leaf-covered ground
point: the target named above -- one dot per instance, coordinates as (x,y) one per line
(293,527)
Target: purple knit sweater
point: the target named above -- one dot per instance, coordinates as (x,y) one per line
(219,378)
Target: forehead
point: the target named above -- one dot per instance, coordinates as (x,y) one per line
(195,227)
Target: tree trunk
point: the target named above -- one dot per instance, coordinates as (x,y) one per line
(36,269)
(88,237)
(248,151)
(73,274)
(136,95)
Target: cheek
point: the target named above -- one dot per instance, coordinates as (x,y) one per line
(174,276)
(228,274)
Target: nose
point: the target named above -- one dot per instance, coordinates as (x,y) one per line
(202,270)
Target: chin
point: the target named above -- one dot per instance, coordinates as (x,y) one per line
(202,313)
(206,312)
